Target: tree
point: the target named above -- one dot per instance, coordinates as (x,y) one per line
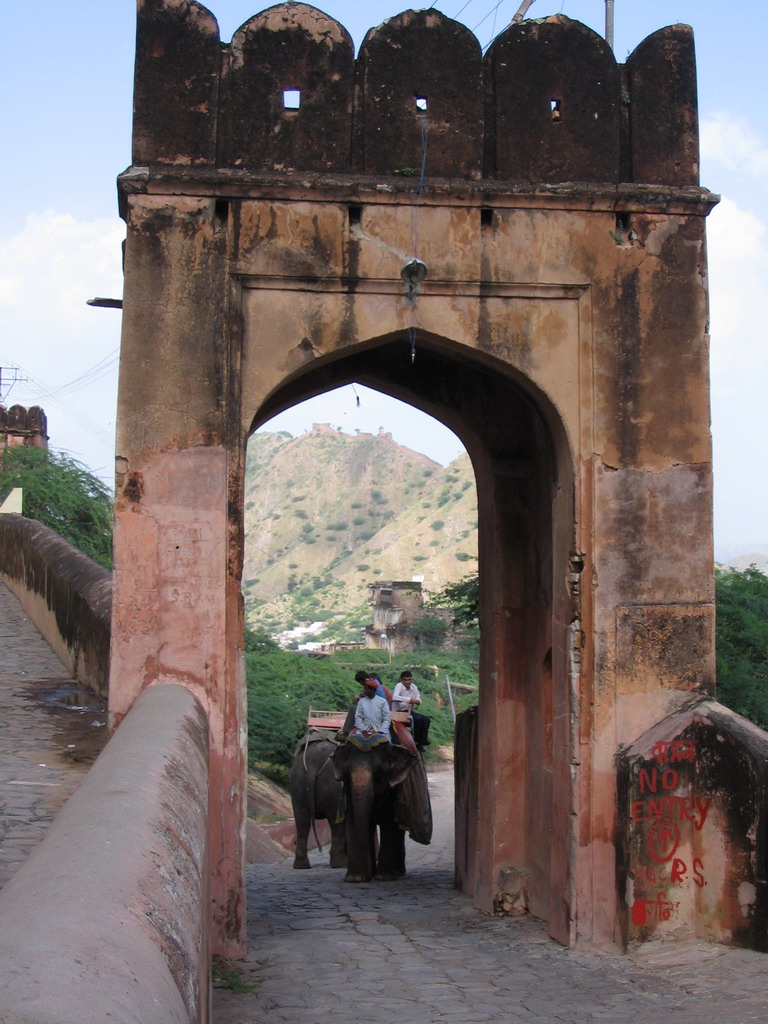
(258,641)
(282,685)
(428,631)
(464,599)
(742,642)
(62,494)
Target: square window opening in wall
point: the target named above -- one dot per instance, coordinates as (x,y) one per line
(556,110)
(291,99)
(422,103)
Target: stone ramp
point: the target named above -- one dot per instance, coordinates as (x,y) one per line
(46,745)
(322,951)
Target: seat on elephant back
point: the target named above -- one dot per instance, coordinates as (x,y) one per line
(362,742)
(401,728)
(325,719)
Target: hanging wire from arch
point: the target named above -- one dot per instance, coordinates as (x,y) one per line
(419,191)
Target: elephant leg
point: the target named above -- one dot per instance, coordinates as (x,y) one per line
(301,858)
(329,805)
(361,854)
(302,823)
(338,844)
(391,861)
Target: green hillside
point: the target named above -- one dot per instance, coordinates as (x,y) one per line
(328,513)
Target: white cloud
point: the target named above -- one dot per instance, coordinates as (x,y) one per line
(738,267)
(738,272)
(730,141)
(55,264)
(48,271)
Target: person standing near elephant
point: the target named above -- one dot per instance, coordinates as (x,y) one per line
(372,712)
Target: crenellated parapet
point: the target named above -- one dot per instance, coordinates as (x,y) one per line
(547,103)
(23,426)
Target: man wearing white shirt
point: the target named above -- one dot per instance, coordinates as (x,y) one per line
(406,697)
(372,711)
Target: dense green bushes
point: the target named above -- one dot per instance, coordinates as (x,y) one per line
(62,494)
(742,643)
(283,685)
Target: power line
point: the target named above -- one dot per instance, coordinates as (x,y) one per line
(492,11)
(522,9)
(96,373)
(54,397)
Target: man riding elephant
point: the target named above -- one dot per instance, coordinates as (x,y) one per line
(379,793)
(362,677)
(372,711)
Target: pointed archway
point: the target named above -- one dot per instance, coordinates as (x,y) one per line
(519,779)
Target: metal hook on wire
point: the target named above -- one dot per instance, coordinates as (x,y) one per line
(413,273)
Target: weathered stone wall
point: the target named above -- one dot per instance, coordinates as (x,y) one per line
(547,103)
(560,331)
(108,918)
(22,426)
(66,594)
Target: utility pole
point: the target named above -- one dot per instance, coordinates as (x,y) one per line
(14,379)
(521,11)
(609,22)
(523,8)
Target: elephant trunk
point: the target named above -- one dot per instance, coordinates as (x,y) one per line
(361,853)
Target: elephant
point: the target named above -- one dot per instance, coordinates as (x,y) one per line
(377,792)
(316,793)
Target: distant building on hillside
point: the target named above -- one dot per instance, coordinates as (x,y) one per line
(23,427)
(395,605)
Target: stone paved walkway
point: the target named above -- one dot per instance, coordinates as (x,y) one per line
(417,951)
(325,952)
(45,744)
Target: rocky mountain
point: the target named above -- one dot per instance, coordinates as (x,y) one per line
(328,513)
(757,558)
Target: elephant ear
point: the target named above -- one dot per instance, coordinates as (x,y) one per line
(339,759)
(400,765)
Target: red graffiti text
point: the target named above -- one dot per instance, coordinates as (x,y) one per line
(672,808)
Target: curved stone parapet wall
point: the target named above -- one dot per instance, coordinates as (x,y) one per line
(67,595)
(108,918)
(547,103)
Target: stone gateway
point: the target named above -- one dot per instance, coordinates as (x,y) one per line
(280,190)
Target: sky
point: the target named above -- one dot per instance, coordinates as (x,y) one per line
(66,79)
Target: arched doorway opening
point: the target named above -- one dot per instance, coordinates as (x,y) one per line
(513,776)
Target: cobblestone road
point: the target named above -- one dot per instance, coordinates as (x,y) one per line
(322,951)
(46,744)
